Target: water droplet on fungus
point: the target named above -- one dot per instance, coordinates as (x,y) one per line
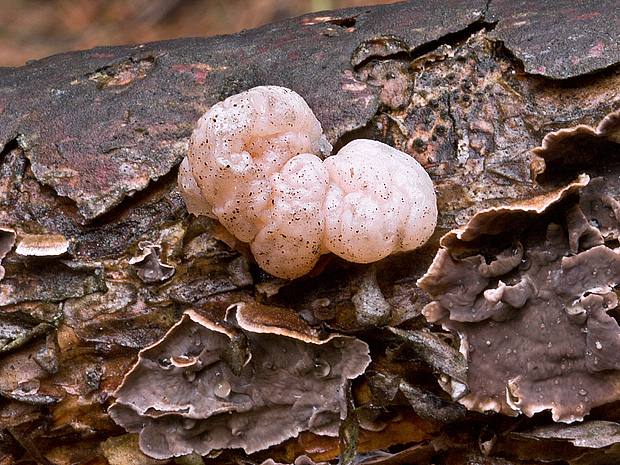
(321,367)
(164,363)
(222,389)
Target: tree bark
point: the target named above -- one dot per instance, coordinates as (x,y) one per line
(90,142)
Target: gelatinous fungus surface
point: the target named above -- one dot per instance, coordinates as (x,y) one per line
(532,292)
(247,384)
(254,163)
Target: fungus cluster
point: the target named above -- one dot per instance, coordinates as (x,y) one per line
(531,288)
(250,382)
(255,163)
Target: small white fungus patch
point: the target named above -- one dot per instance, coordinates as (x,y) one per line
(254,164)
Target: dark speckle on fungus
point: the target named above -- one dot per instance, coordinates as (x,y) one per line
(183,396)
(531,290)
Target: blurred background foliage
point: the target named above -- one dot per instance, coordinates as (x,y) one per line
(32,29)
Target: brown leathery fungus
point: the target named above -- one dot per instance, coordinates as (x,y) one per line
(255,162)
(183,395)
(531,290)
(42,245)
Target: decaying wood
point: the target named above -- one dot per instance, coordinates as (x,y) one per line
(89,146)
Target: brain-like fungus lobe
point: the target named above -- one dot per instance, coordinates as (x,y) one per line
(532,289)
(250,382)
(255,162)
(379,201)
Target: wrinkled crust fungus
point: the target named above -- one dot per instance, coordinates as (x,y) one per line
(532,292)
(255,163)
(184,395)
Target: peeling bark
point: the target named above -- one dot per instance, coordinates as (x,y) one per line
(89,147)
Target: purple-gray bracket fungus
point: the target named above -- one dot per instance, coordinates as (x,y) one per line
(570,151)
(148,264)
(531,290)
(255,163)
(183,395)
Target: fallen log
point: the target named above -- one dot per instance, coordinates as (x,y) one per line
(99,258)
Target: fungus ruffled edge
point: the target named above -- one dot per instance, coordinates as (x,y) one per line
(530,287)
(249,383)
